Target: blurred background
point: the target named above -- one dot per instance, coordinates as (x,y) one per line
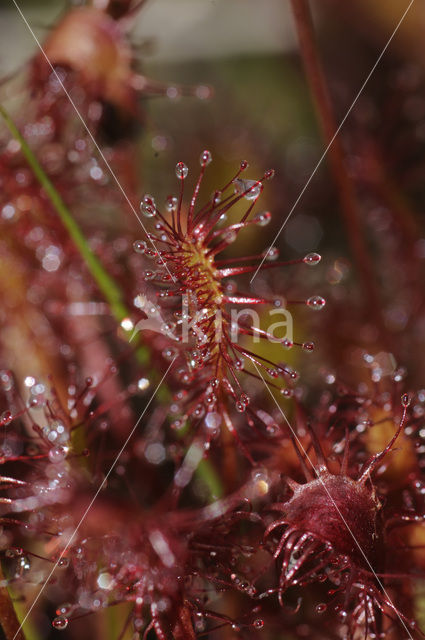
(261,110)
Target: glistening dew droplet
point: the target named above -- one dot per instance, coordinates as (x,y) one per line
(147,206)
(139,246)
(262,219)
(287,393)
(205,158)
(240,406)
(171,203)
(5,418)
(405,400)
(63,563)
(250,188)
(321,608)
(316,303)
(230,236)
(60,623)
(64,609)
(312,259)
(181,170)
(271,254)
(57,454)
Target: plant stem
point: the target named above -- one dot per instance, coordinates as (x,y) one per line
(336,157)
(106,284)
(9,622)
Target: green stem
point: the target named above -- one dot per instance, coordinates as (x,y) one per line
(9,623)
(29,629)
(211,479)
(106,284)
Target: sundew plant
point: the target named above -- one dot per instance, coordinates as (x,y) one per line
(212,404)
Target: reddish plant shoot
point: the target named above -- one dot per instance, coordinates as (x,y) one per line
(200,309)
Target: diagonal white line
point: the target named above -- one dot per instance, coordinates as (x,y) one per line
(99,489)
(77,111)
(322,157)
(334,503)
